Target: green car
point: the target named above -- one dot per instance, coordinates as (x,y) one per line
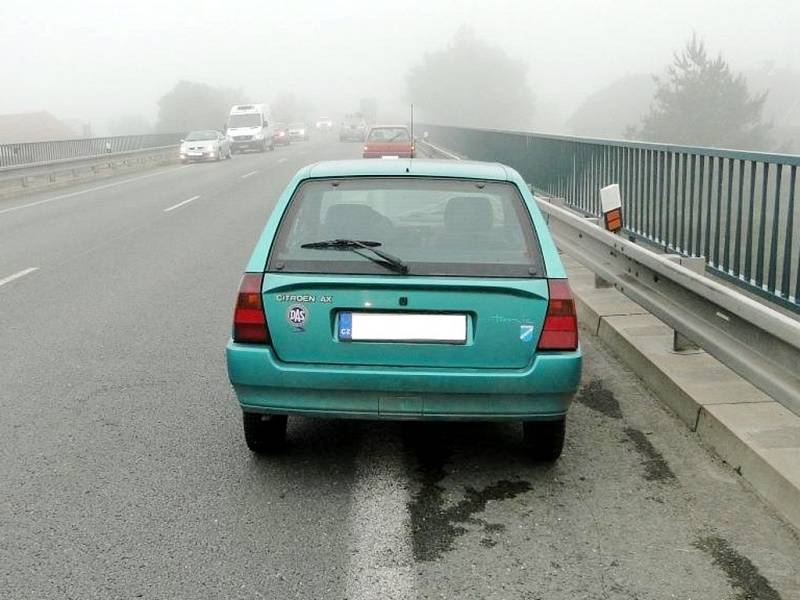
(405,289)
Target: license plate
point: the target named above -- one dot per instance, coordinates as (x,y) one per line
(195,154)
(390,157)
(402,327)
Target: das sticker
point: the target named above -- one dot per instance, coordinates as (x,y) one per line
(296,315)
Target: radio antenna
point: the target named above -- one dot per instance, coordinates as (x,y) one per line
(413,141)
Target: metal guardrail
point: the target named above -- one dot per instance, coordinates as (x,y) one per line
(38,153)
(29,175)
(738,210)
(759,343)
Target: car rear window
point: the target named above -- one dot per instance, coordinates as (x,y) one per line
(437,226)
(244,120)
(389,134)
(197,136)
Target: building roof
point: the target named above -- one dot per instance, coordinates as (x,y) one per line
(32,127)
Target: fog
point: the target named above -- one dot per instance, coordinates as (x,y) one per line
(98,61)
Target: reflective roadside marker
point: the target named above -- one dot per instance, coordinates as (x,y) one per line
(611,204)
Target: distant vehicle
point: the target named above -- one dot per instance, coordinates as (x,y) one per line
(249,127)
(325,123)
(381,290)
(281,135)
(353,129)
(298,131)
(389,141)
(205,144)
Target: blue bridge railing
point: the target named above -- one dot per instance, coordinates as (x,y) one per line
(739,210)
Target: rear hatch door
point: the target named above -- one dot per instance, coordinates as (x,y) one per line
(389,148)
(466,323)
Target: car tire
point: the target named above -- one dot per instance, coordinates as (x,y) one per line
(544,440)
(264,434)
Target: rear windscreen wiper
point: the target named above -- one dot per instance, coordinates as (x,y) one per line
(385,259)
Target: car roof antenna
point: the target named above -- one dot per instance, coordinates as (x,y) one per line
(413,144)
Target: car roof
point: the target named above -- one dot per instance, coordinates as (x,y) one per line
(390,126)
(418,167)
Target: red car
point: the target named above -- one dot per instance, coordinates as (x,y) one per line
(389,141)
(281,135)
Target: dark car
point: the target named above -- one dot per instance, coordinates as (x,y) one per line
(281,135)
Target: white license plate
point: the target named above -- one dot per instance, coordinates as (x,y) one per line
(390,157)
(195,154)
(402,327)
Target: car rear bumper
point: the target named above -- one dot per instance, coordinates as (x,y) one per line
(542,391)
(204,157)
(248,145)
(382,154)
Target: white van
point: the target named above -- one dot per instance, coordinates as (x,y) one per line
(250,127)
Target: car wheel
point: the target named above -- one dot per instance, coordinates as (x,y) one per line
(544,440)
(264,434)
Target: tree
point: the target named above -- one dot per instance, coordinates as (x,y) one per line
(129,125)
(288,108)
(192,105)
(607,112)
(701,102)
(471,83)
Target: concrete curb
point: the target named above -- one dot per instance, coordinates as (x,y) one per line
(757,436)
(10,193)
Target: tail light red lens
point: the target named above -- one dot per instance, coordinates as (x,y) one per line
(560,329)
(249,322)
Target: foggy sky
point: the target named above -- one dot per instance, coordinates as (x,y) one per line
(98,59)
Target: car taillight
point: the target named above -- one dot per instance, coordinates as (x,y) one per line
(560,329)
(249,322)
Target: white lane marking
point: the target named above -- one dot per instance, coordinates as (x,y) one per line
(94,189)
(179,204)
(22,273)
(250,174)
(282,160)
(381,560)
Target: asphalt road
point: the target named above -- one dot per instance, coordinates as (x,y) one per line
(123,473)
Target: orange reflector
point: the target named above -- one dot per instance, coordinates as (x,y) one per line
(613,220)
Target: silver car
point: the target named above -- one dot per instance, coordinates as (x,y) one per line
(206,144)
(298,131)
